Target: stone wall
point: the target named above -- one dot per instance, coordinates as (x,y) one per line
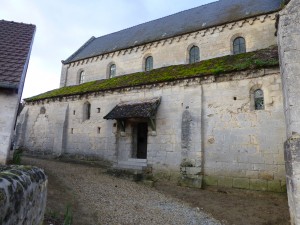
(9,106)
(213,42)
(289,46)
(208,123)
(23,193)
(244,146)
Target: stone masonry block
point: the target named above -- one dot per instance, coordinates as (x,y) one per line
(252,174)
(258,185)
(210,180)
(266,175)
(225,182)
(274,186)
(259,167)
(193,170)
(242,183)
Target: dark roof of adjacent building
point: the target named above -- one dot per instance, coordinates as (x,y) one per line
(202,17)
(15,46)
(145,108)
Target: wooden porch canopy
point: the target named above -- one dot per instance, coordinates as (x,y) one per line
(145,108)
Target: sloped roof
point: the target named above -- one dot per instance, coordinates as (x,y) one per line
(202,17)
(144,108)
(263,58)
(15,47)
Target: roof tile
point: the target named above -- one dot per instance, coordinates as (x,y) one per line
(15,44)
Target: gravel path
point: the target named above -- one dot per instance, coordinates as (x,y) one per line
(103,199)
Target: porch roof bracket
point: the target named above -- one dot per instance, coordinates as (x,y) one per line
(121,124)
(152,122)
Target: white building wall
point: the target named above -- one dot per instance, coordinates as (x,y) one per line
(9,106)
(243,146)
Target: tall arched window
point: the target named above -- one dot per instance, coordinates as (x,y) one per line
(149,63)
(86,111)
(239,45)
(81,77)
(112,71)
(259,103)
(194,54)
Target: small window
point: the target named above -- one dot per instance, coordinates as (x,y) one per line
(74,112)
(86,111)
(72,131)
(239,45)
(98,130)
(81,77)
(112,71)
(149,63)
(259,103)
(194,55)
(42,110)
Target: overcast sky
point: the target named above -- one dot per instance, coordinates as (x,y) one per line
(65,25)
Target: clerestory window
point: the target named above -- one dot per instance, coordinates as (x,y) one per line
(239,45)
(112,71)
(149,63)
(194,54)
(81,77)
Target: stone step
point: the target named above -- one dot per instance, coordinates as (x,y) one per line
(129,167)
(138,160)
(136,164)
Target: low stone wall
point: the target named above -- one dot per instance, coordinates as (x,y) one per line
(23,194)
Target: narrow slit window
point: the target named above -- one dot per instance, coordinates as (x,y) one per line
(98,110)
(98,130)
(112,71)
(81,77)
(259,102)
(86,111)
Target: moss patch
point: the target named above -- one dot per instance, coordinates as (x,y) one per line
(252,60)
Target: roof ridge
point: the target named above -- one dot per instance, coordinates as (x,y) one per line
(210,3)
(11,21)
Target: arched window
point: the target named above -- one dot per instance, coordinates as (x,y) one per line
(239,45)
(81,77)
(112,71)
(259,103)
(194,54)
(86,111)
(149,63)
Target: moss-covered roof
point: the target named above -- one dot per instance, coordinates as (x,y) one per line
(252,60)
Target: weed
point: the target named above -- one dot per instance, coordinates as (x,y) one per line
(68,216)
(17,157)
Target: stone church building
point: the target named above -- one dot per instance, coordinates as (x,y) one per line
(196,95)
